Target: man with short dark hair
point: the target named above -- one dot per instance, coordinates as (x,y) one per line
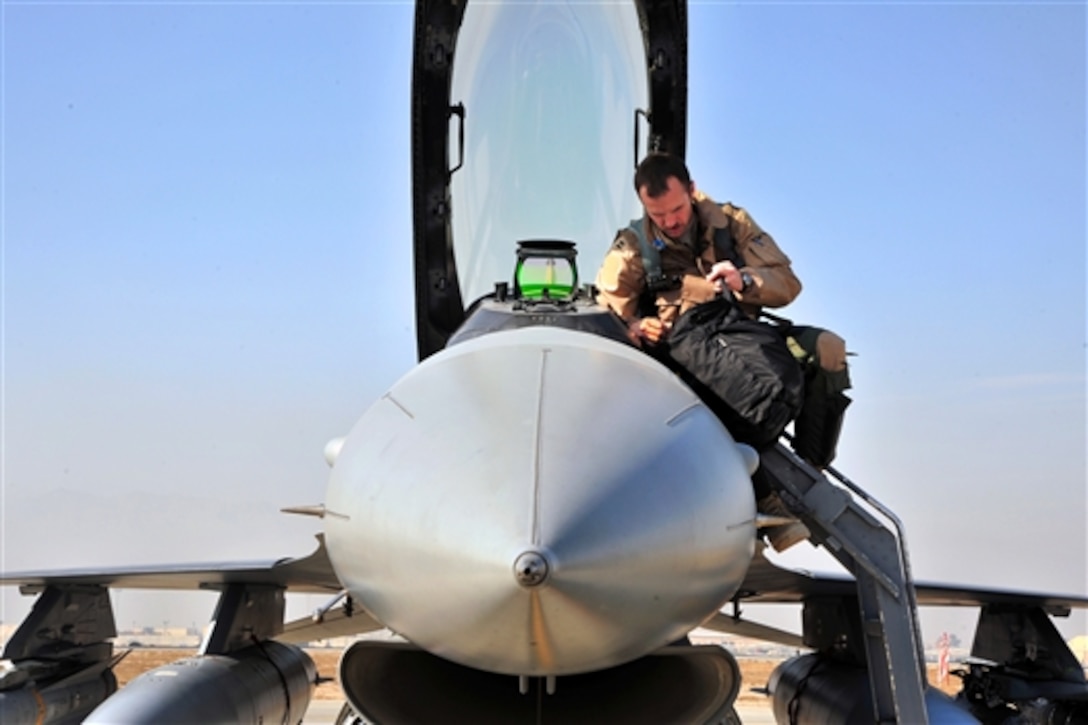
(704,247)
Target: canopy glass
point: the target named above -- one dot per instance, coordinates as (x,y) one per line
(550,92)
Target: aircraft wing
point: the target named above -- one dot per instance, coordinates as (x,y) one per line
(338,622)
(309,574)
(770,583)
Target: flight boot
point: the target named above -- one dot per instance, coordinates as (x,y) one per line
(785,535)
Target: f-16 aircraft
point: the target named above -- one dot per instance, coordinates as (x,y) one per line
(482,509)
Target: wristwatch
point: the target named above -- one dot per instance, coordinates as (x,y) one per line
(746,281)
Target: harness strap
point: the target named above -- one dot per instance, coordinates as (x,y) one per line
(651,254)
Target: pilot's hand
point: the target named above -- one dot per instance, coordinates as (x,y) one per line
(725,273)
(650,329)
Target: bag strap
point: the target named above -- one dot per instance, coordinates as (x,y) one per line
(725,248)
(783,322)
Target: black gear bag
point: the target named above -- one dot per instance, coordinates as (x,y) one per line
(741,368)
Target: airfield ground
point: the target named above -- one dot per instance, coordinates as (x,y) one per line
(754,672)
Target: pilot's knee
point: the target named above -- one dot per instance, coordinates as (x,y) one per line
(831,351)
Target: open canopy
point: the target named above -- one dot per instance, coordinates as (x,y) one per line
(527,122)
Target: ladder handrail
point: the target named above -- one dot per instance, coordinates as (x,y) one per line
(875,551)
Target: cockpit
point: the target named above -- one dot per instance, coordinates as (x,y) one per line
(545,291)
(528,121)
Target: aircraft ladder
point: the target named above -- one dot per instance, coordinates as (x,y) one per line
(876,554)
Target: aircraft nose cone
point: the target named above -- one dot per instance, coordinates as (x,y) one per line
(531,569)
(540,501)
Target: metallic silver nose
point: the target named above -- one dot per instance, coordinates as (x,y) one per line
(531,569)
(536,527)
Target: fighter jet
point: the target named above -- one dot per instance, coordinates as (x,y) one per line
(542,511)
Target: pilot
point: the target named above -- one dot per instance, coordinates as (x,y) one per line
(702,247)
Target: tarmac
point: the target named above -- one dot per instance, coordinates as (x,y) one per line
(324,712)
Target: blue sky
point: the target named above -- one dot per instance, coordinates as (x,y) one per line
(207,264)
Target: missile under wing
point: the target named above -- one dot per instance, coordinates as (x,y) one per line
(542,511)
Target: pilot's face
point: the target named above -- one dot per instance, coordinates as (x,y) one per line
(671,211)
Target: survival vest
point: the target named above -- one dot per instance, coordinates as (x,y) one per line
(651,254)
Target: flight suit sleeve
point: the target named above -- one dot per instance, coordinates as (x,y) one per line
(773,282)
(622,277)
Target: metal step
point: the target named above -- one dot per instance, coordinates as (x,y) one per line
(840,517)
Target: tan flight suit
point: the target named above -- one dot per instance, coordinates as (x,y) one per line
(622,280)
(622,277)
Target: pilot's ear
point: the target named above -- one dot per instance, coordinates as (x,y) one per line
(691,189)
